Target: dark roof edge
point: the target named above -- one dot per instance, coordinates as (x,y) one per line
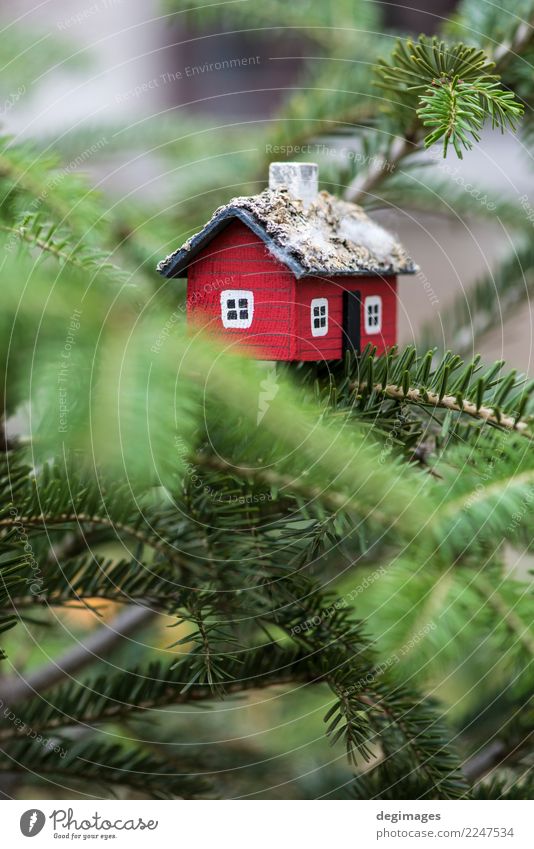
(177,262)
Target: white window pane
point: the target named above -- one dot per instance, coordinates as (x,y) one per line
(372,310)
(237,308)
(319,316)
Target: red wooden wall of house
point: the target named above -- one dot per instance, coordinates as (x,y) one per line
(330,346)
(238,259)
(281,328)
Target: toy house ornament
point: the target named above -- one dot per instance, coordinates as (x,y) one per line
(293,273)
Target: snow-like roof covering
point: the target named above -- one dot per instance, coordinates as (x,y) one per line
(328,237)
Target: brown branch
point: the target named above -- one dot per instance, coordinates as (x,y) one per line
(508,50)
(496,754)
(382,165)
(18,688)
(485,760)
(449,402)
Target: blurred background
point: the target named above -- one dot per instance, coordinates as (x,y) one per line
(151,89)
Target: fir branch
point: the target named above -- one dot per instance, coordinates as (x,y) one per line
(455,86)
(12,567)
(66,520)
(507,32)
(112,696)
(33,182)
(413,730)
(517,785)
(89,764)
(35,231)
(502,400)
(428,77)
(89,577)
(450,402)
(495,598)
(424,741)
(284,484)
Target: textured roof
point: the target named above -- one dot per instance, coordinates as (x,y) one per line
(329,237)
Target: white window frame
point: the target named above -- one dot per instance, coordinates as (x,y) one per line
(370,302)
(317,303)
(237,295)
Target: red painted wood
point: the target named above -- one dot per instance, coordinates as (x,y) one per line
(281,329)
(331,346)
(237,259)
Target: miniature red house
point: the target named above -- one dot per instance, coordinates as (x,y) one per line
(293,273)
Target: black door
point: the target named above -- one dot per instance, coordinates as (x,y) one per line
(351,321)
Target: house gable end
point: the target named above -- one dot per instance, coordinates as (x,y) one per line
(235,266)
(176,264)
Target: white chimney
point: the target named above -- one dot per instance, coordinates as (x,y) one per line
(301,179)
